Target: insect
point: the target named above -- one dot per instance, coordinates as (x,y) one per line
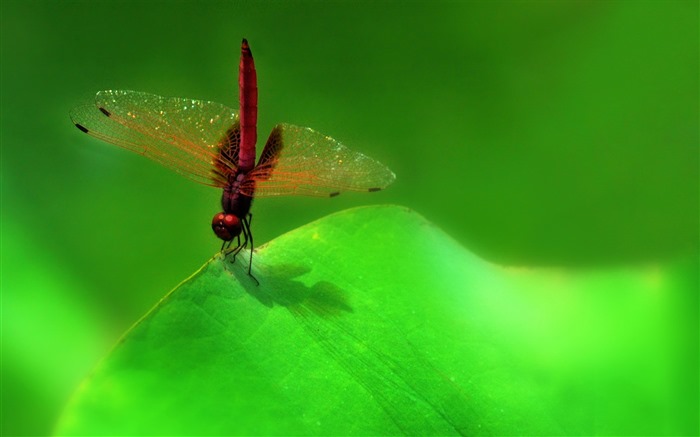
(215,145)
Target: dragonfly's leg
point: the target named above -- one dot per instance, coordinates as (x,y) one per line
(226,250)
(225,246)
(249,235)
(248,220)
(236,249)
(245,238)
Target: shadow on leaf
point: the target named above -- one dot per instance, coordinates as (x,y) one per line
(281,285)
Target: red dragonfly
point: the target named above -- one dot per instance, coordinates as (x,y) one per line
(213,145)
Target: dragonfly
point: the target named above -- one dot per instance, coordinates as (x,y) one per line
(214,145)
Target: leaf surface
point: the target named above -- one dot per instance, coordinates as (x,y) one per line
(373,321)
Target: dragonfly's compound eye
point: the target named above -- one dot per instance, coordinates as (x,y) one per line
(226,226)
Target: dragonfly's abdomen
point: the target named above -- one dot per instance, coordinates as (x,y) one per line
(248,96)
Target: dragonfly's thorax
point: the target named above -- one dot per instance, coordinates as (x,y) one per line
(232,200)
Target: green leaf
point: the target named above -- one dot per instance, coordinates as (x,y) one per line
(373,321)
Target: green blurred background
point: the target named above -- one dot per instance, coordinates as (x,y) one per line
(536,133)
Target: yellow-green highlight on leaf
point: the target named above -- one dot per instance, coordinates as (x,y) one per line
(374,322)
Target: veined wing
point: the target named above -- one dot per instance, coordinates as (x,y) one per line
(300,161)
(196,138)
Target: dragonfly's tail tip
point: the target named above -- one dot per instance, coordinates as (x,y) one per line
(244,43)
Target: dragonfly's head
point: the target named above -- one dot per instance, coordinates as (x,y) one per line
(226,226)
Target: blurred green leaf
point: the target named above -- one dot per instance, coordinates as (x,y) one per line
(373,321)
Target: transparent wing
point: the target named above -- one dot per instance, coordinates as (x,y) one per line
(195,138)
(300,161)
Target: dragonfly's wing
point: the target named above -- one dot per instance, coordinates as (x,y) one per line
(196,138)
(300,161)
